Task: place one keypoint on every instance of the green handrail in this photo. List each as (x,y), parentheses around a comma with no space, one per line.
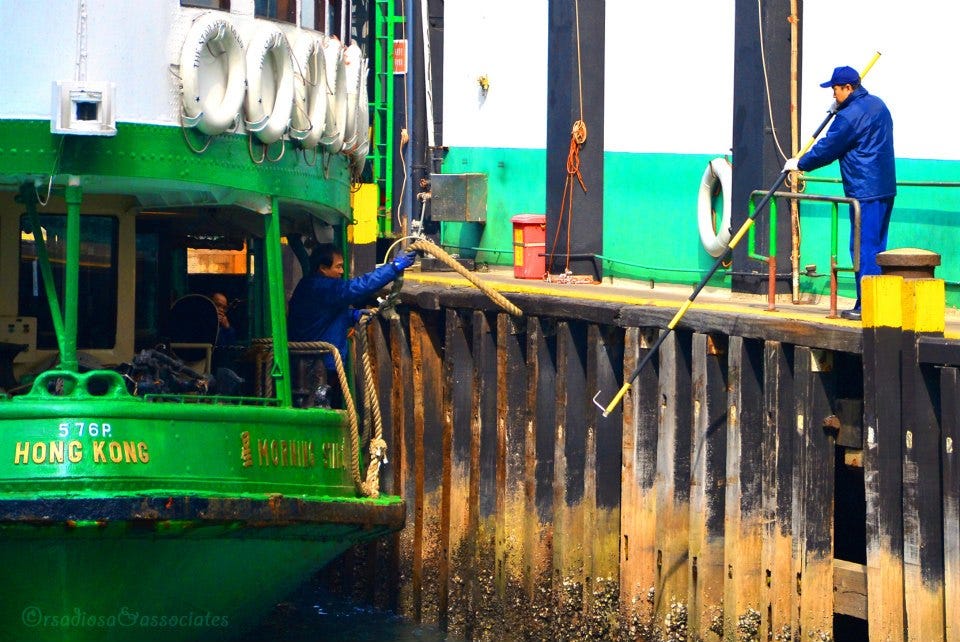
(752,234)
(835,202)
(834,235)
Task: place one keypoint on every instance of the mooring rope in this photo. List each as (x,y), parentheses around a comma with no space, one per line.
(371,403)
(431,248)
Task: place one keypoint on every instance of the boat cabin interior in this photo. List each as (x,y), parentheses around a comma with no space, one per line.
(147,287)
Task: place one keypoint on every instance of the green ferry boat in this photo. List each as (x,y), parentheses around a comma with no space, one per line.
(159,479)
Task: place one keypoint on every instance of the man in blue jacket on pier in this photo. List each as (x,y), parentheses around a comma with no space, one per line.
(321,308)
(861,138)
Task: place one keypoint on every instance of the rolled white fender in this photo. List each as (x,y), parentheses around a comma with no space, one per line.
(715,241)
(332,139)
(269,101)
(310,90)
(212,74)
(353,66)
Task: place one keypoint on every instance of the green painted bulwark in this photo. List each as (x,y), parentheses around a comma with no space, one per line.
(91,448)
(650,215)
(160,154)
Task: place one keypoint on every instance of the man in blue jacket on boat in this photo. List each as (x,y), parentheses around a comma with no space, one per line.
(321,308)
(861,138)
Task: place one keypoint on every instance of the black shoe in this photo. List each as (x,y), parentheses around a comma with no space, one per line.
(851,315)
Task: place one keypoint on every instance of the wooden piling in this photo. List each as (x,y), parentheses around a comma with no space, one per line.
(779,426)
(511,570)
(923,314)
(950,395)
(401,395)
(431,532)
(813,515)
(673,470)
(707,487)
(483,487)
(882,457)
(569,457)
(459,505)
(638,504)
(541,410)
(743,519)
(602,480)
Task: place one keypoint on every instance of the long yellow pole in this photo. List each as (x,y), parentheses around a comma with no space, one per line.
(716,265)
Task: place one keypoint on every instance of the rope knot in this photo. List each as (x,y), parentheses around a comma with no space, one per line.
(579,132)
(378,450)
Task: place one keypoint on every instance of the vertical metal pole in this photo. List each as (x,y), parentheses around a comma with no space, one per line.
(772,258)
(68,347)
(834,220)
(278,319)
(408,155)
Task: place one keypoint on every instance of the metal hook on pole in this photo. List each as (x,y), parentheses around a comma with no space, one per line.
(747,224)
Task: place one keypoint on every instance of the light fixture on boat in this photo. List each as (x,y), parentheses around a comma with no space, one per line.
(84,108)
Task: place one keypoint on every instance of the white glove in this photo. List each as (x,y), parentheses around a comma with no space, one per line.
(791,165)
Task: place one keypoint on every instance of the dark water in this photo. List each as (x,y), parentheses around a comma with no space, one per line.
(316,615)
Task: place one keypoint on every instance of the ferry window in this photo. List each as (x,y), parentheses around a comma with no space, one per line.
(223,5)
(327,16)
(146,313)
(216,261)
(282,10)
(97,295)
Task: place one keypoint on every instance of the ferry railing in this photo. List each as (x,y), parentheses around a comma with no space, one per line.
(771,258)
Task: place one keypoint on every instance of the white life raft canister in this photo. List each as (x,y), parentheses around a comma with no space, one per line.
(269,100)
(212,74)
(310,90)
(332,139)
(715,240)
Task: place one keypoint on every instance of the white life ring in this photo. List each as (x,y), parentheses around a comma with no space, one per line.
(310,91)
(715,241)
(269,100)
(332,139)
(358,153)
(211,74)
(353,67)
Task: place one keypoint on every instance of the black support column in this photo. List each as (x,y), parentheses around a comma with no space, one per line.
(568,67)
(756,160)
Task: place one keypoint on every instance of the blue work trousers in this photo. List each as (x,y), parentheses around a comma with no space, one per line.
(874,223)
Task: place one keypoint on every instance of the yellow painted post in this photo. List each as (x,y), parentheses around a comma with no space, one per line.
(364,202)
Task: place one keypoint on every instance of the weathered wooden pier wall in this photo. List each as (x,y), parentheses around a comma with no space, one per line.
(764,479)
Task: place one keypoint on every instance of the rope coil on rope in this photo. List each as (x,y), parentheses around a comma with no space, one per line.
(370,486)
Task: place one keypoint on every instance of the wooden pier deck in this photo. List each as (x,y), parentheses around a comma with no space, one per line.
(771,475)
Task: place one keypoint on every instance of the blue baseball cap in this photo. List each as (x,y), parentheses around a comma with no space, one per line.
(843,76)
